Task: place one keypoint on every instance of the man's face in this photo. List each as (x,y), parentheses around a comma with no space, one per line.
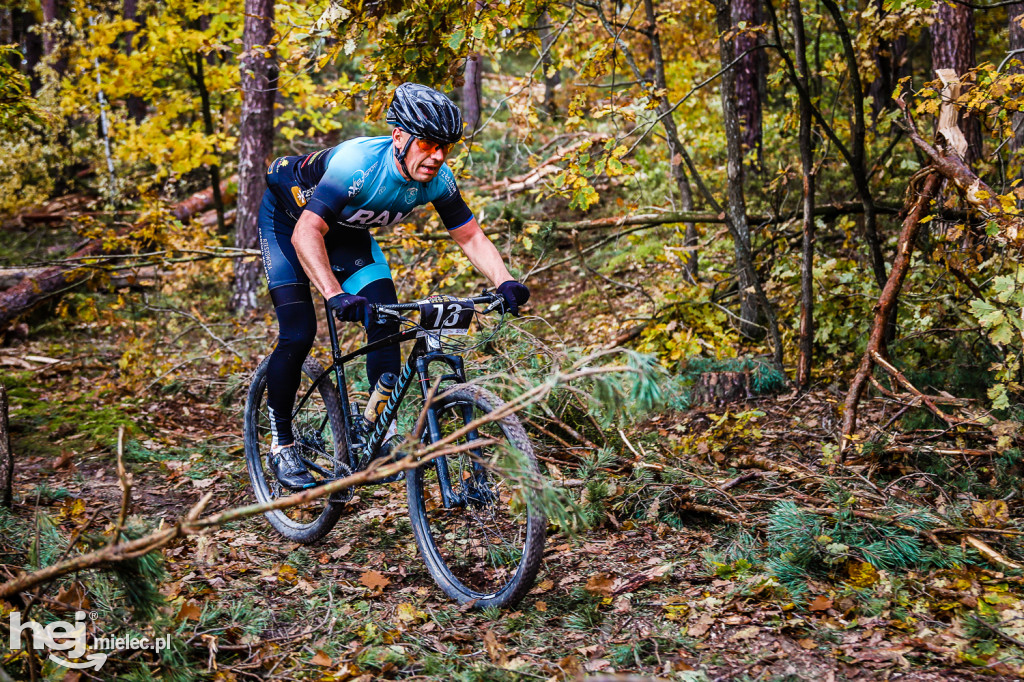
(424,157)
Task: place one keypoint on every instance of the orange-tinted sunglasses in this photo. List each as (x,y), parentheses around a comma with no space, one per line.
(429,146)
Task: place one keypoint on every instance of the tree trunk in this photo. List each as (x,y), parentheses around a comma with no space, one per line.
(135,104)
(806,361)
(736,207)
(552,81)
(199,76)
(675,147)
(471,93)
(256,136)
(749,72)
(49,15)
(953,48)
(889,60)
(30,43)
(858,132)
(6,455)
(1017,43)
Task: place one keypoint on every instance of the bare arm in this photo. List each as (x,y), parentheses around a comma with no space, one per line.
(308,240)
(481,252)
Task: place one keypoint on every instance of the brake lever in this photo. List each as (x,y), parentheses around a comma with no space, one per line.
(383,314)
(495,304)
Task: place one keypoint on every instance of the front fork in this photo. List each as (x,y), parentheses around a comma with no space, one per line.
(449,497)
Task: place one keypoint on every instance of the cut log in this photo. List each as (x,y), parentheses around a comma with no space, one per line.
(201,201)
(721,388)
(30,291)
(6,456)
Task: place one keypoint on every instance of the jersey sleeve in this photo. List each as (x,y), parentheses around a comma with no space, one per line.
(448,201)
(340,184)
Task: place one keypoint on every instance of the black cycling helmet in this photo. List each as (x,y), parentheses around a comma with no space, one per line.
(425,113)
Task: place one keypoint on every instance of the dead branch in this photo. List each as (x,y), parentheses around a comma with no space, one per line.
(966,452)
(978,194)
(192,523)
(986,550)
(887,303)
(124,479)
(518,183)
(899,376)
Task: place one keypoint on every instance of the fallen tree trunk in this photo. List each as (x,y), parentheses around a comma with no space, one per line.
(826,212)
(30,291)
(203,200)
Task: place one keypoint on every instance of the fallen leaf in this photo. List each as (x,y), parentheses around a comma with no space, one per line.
(820,603)
(495,651)
(341,551)
(189,611)
(862,574)
(407,613)
(74,597)
(374,580)
(571,667)
(746,633)
(807,643)
(600,583)
(701,627)
(991,513)
(596,664)
(541,606)
(322,659)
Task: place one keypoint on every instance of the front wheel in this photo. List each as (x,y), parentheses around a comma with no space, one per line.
(485,544)
(317,424)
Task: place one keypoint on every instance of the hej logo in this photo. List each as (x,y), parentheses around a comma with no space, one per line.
(60,635)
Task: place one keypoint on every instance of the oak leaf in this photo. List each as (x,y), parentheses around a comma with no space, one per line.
(375,580)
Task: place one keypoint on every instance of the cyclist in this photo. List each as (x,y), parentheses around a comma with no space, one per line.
(314,225)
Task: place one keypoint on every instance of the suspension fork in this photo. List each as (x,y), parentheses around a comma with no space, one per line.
(457,374)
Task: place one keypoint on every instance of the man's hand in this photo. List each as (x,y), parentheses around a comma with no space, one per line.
(515,295)
(349,307)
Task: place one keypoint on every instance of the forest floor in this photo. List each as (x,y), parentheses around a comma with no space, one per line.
(634,594)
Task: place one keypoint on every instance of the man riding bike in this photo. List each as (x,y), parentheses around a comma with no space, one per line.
(314,226)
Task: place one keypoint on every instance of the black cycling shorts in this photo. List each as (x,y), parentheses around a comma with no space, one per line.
(355,257)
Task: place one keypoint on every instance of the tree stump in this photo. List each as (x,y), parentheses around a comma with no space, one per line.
(6,456)
(720,388)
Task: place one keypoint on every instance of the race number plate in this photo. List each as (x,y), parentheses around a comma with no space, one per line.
(445,315)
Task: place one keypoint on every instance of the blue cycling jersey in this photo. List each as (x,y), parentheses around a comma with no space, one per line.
(357,184)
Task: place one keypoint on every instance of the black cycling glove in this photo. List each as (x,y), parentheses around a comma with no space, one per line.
(349,307)
(515,295)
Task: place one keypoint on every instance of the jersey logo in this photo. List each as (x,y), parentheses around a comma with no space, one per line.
(411,195)
(368,218)
(449,183)
(358,179)
(297,195)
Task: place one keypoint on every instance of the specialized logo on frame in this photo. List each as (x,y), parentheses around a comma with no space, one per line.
(70,639)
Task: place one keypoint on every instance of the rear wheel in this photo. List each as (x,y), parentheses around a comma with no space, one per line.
(319,435)
(487,544)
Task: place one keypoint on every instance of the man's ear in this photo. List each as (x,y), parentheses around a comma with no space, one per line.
(396,136)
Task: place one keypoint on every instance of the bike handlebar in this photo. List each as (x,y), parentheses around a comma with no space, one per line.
(398,307)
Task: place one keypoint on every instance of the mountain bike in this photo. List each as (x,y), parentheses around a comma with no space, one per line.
(474,516)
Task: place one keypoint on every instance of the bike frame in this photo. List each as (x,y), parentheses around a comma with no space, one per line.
(425,352)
